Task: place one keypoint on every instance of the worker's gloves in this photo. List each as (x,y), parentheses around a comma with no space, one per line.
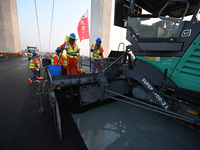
(67,45)
(92,49)
(100,55)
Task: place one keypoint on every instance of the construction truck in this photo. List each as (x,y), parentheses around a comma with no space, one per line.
(164,77)
(30,50)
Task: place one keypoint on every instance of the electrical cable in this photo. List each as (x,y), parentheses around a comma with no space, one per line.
(37,23)
(51,24)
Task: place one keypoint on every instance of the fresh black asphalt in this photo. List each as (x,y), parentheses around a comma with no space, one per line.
(21,127)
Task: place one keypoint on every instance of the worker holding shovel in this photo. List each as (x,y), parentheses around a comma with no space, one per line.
(72,51)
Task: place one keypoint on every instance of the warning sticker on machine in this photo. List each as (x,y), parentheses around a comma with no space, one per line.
(153,58)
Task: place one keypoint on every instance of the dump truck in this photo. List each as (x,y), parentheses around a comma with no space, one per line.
(163,76)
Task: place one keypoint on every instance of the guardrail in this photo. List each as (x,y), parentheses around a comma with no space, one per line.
(8,54)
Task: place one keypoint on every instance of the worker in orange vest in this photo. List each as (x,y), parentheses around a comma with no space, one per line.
(57,58)
(34,66)
(72,51)
(80,71)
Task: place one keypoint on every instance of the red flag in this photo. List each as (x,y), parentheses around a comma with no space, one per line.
(83,27)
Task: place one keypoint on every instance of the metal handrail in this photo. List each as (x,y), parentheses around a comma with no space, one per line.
(112,63)
(120,44)
(186,9)
(156,109)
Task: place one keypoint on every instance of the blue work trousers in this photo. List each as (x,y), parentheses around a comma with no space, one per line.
(96,65)
(35,74)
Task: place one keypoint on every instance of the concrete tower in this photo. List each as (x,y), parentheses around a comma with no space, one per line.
(9,29)
(101,23)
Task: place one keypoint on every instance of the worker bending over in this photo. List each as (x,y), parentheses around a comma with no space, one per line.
(80,71)
(72,51)
(34,67)
(60,58)
(57,58)
(97,53)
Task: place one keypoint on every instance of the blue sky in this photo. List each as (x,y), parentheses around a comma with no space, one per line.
(67,14)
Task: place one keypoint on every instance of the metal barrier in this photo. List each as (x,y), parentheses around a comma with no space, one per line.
(8,54)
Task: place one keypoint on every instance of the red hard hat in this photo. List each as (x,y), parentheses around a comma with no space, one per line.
(167,21)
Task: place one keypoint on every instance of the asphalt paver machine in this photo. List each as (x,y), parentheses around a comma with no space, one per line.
(164,74)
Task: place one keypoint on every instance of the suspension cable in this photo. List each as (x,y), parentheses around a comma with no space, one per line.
(51,24)
(37,23)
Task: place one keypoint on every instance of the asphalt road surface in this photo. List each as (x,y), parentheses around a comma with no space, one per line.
(115,126)
(20,125)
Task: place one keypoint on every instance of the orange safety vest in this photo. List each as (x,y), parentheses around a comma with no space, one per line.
(60,61)
(80,71)
(52,61)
